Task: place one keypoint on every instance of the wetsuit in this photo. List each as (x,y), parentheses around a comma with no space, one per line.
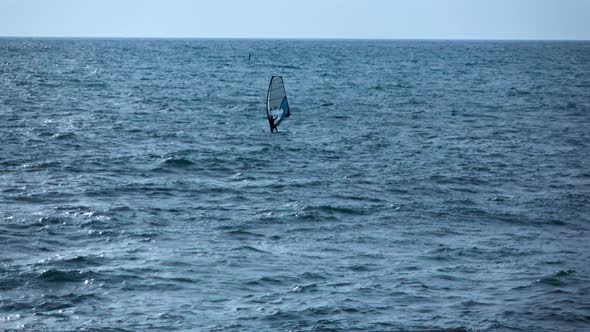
(271,122)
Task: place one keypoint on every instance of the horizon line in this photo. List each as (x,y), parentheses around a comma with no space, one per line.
(301,38)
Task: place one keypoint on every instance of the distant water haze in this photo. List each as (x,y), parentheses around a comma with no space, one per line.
(417,186)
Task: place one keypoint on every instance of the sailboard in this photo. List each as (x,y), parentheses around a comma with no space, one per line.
(277,106)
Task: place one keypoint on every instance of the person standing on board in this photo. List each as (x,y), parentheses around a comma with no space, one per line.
(273,126)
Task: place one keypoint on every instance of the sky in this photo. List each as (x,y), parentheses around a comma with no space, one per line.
(390,19)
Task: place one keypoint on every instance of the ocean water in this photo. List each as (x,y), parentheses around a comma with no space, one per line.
(417,186)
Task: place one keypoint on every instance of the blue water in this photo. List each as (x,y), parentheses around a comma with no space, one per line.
(417,185)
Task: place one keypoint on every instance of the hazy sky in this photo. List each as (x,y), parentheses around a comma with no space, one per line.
(430,19)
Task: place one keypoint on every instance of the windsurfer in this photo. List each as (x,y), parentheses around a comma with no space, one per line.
(271,122)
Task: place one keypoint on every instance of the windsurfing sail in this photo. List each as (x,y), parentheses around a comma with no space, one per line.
(277,106)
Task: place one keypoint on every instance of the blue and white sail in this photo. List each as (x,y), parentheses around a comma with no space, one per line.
(277,106)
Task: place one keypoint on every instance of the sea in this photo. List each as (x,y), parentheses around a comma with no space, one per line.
(417,185)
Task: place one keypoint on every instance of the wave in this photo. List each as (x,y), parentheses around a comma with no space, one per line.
(64,136)
(177,162)
(249,249)
(241,234)
(65,276)
(557,279)
(332,209)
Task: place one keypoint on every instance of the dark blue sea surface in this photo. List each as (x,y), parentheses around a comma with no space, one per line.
(417,185)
